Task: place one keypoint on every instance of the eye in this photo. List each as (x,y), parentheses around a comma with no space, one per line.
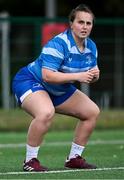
(88,23)
(81,22)
(85,22)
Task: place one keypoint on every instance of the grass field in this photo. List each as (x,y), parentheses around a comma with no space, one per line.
(18,120)
(105,149)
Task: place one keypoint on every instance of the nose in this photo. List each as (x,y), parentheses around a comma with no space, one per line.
(84,25)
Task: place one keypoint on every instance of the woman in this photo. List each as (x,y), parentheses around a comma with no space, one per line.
(45,87)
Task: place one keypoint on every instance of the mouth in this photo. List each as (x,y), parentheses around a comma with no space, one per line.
(84,32)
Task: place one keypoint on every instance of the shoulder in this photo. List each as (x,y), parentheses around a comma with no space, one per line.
(58,39)
(90,44)
(63,39)
(60,42)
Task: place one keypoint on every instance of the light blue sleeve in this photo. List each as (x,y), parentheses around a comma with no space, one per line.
(52,55)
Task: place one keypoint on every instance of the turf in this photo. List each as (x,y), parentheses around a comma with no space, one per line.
(105,149)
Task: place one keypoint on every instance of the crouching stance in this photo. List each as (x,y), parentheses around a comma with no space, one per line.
(46,86)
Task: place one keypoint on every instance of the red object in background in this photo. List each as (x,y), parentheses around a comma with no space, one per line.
(49,30)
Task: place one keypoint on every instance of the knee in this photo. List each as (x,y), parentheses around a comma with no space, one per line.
(92,113)
(46,116)
(96,111)
(49,113)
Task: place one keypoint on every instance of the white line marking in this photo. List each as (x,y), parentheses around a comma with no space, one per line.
(63,171)
(108,142)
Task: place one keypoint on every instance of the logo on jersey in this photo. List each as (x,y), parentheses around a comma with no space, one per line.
(70,59)
(37,85)
(88,59)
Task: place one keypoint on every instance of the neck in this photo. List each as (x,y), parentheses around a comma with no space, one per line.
(79,42)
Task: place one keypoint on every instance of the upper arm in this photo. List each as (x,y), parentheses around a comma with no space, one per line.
(52,56)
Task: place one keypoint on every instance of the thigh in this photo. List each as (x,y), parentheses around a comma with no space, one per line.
(38,103)
(78,105)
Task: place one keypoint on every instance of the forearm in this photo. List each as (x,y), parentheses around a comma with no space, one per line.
(58,77)
(61,78)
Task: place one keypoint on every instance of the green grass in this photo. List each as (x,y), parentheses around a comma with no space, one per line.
(105,149)
(18,120)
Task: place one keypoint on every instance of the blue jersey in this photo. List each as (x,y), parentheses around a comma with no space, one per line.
(62,54)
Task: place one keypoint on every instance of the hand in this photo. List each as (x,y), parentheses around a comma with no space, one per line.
(96,73)
(85,77)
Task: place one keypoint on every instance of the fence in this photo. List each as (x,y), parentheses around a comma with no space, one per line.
(24,42)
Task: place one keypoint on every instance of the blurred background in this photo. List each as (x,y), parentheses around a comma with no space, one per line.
(26,25)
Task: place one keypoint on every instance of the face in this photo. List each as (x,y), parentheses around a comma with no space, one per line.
(82,25)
